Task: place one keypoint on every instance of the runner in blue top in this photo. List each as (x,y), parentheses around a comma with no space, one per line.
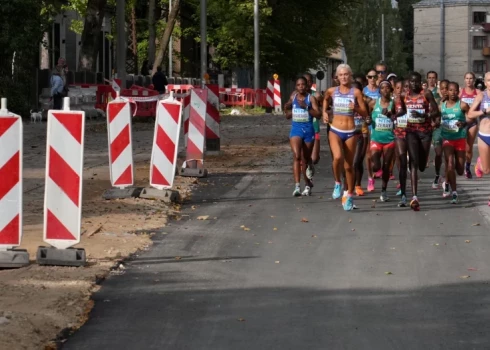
(345,101)
(302,108)
(371,90)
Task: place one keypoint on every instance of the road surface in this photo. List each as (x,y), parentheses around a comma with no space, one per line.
(255,275)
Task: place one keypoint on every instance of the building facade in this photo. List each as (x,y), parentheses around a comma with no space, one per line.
(461,27)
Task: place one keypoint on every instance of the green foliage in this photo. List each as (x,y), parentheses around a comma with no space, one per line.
(294,35)
(20,48)
(362,37)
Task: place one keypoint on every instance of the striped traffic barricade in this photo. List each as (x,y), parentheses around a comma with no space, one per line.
(11,189)
(194,162)
(63,188)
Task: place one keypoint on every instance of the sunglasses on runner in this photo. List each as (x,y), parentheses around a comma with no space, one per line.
(371,77)
(380,72)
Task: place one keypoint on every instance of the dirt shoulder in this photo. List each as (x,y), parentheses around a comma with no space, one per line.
(38,303)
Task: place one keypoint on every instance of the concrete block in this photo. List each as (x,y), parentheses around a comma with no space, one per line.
(193,172)
(13,258)
(61,257)
(168,196)
(121,193)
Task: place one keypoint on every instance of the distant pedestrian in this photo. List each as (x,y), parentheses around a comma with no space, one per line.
(57,86)
(159,81)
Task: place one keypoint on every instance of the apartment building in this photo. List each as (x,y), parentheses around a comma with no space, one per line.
(461,28)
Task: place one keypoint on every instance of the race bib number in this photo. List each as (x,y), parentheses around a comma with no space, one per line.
(415,120)
(450,125)
(358,121)
(486,105)
(342,105)
(300,115)
(383,123)
(402,122)
(468,100)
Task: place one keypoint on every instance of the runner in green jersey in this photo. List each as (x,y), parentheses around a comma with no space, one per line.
(453,130)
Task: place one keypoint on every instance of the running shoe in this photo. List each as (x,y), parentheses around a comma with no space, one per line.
(378,174)
(455,199)
(398,186)
(310,171)
(435,184)
(337,191)
(370,186)
(414,204)
(359,191)
(478,171)
(403,202)
(384,197)
(446,192)
(307,191)
(467,173)
(392,177)
(297,192)
(399,193)
(348,203)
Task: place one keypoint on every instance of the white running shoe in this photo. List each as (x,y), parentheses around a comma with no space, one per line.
(384,197)
(446,189)
(307,191)
(310,171)
(297,192)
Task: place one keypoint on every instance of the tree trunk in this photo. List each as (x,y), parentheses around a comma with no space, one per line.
(152,34)
(90,35)
(172,18)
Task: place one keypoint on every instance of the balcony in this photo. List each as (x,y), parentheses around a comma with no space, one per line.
(486,27)
(485,51)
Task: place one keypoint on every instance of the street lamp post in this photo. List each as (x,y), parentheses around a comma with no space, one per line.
(256,46)
(204,41)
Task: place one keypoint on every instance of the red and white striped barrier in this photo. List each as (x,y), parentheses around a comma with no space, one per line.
(212,118)
(186,102)
(165,144)
(270,93)
(120,143)
(277,96)
(64,177)
(10,178)
(196,135)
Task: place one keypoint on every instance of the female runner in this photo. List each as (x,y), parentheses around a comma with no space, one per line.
(453,131)
(419,129)
(371,91)
(362,133)
(346,101)
(481,108)
(302,108)
(467,95)
(382,136)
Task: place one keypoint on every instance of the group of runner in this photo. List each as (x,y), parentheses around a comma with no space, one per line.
(380,120)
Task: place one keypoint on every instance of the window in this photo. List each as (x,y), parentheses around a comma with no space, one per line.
(479,66)
(479,42)
(479,17)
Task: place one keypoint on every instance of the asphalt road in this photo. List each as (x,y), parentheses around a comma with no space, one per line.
(256,276)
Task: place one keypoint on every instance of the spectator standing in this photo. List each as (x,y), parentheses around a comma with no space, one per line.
(159,81)
(57,87)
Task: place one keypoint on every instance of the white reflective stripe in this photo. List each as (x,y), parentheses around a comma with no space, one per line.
(63,208)
(9,143)
(65,145)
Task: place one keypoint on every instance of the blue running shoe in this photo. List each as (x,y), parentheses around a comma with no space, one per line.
(348,203)
(337,191)
(399,193)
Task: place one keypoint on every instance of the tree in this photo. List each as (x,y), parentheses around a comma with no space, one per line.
(151,30)
(172,18)
(94,16)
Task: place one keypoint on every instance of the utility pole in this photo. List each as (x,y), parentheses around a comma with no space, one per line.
(382,37)
(121,41)
(443,41)
(256,46)
(170,48)
(204,41)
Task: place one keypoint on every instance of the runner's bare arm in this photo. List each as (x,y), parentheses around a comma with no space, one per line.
(361,107)
(465,108)
(475,108)
(315,111)
(326,105)
(402,110)
(434,113)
